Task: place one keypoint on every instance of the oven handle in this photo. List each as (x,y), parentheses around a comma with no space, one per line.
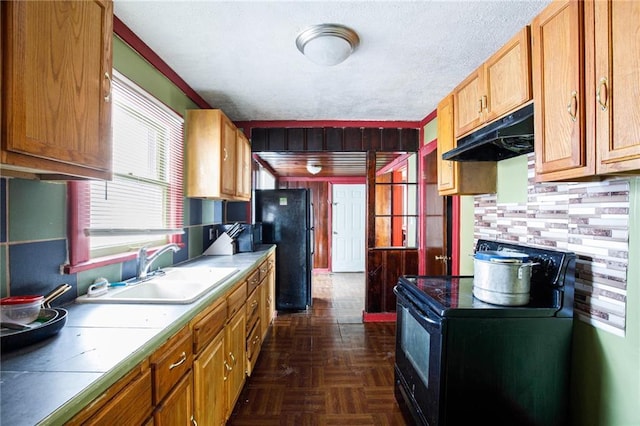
(432,319)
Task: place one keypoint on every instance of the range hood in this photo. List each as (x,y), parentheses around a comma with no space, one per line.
(507,137)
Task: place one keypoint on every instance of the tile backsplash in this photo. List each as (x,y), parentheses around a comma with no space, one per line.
(590,219)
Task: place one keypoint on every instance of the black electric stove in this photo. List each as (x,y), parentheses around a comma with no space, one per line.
(460,360)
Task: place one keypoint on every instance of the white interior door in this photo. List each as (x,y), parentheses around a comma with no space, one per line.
(348,223)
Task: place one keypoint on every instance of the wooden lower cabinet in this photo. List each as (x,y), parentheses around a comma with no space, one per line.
(177,407)
(235,358)
(268,297)
(197,375)
(128,402)
(209,383)
(254,330)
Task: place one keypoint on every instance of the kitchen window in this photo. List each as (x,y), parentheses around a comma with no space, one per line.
(142,205)
(396,205)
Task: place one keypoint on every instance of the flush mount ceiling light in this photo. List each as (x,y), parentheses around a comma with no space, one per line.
(314,169)
(327,44)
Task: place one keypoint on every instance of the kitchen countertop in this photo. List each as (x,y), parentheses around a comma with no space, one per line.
(50,381)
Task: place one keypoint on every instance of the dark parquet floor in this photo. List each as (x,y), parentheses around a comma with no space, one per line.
(324,366)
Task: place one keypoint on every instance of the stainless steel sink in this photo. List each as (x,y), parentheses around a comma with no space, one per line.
(176,286)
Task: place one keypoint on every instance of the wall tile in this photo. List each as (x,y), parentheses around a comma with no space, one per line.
(129,269)
(35,269)
(37,210)
(195,241)
(183,254)
(112,273)
(195,212)
(590,219)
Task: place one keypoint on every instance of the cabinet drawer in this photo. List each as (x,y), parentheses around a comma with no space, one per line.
(132,406)
(206,327)
(235,301)
(128,401)
(264,269)
(253,281)
(170,362)
(253,308)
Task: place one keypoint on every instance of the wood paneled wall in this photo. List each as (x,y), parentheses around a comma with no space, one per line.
(384,267)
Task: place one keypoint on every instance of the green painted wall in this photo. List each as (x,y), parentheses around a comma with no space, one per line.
(466,235)
(138,70)
(606,375)
(430,131)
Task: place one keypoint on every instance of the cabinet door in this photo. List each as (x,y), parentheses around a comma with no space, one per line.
(235,350)
(465,177)
(56,101)
(209,383)
(617,85)
(507,76)
(558,78)
(446,142)
(271,291)
(244,167)
(468,105)
(177,407)
(265,319)
(228,166)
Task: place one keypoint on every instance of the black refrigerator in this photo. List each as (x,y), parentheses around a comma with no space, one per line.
(287,221)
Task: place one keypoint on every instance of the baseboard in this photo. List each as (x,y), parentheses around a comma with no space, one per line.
(378,316)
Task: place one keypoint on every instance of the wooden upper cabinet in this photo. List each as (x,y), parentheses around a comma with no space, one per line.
(507,77)
(616,85)
(561,148)
(56,83)
(468,103)
(243,176)
(213,156)
(446,142)
(229,163)
(499,86)
(460,177)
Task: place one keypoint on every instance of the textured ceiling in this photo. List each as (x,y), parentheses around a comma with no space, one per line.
(241,55)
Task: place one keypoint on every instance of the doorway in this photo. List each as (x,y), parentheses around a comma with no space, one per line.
(435,217)
(348,230)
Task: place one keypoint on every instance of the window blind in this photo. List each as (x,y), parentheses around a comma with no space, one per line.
(143,202)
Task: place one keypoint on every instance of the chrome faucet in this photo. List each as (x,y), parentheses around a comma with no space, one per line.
(144,261)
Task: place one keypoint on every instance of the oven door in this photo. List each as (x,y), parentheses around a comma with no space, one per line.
(418,359)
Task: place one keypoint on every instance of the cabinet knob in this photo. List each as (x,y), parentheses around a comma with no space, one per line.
(602,99)
(572,106)
(183,358)
(107,98)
